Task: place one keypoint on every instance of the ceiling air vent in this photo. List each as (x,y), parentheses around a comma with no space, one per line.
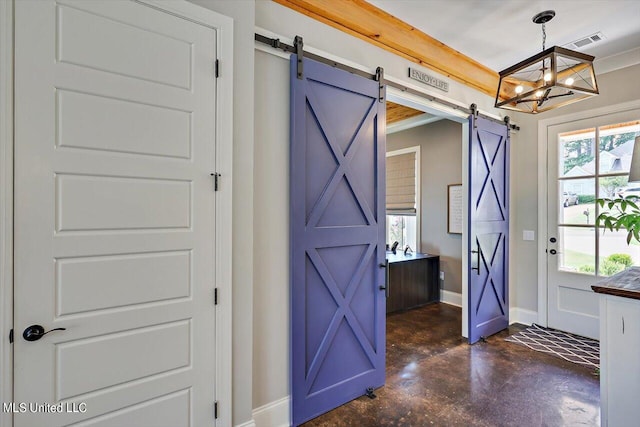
(585,41)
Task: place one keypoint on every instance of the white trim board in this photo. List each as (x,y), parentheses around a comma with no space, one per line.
(274,414)
(6,205)
(451,298)
(224,136)
(543,237)
(522,316)
(412,122)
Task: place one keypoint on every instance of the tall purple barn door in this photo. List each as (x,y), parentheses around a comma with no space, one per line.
(488,228)
(337,238)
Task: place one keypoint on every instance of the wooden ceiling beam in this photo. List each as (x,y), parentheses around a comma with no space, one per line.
(397,112)
(365,21)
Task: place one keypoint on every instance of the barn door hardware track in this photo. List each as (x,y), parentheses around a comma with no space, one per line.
(299,47)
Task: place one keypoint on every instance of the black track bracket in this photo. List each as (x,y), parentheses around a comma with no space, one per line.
(299,45)
(369,393)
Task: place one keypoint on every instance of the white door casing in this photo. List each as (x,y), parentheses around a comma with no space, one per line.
(116,124)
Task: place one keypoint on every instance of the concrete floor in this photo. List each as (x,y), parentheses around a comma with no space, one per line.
(435,378)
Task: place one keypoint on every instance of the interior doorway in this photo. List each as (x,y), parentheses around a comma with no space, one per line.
(438,137)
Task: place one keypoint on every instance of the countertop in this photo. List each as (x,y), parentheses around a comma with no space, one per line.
(624,284)
(400,256)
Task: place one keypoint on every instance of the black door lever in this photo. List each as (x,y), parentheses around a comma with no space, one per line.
(35,332)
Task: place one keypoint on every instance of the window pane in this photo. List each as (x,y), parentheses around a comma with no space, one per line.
(577,201)
(577,153)
(616,186)
(615,254)
(576,250)
(402,229)
(616,146)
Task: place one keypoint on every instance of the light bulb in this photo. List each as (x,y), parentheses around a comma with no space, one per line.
(547,77)
(569,81)
(519,89)
(539,94)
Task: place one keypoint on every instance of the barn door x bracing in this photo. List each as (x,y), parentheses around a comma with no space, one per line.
(114,215)
(337,238)
(488,228)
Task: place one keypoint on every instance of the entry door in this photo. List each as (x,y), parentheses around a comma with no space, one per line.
(488,228)
(587,159)
(114,215)
(337,238)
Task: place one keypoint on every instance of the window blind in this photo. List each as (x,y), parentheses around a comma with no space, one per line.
(401,184)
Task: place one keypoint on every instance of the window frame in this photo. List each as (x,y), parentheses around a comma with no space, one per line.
(412,149)
(596,176)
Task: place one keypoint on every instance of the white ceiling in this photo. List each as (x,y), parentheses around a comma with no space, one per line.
(500,33)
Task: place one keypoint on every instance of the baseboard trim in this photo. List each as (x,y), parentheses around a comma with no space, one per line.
(249,423)
(451,298)
(274,414)
(522,316)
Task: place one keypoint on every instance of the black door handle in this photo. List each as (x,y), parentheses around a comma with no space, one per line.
(35,332)
(477,268)
(385,288)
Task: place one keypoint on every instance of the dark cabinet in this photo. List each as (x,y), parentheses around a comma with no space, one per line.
(413,280)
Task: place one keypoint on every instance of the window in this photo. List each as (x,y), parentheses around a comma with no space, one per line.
(403,200)
(594,163)
(402,229)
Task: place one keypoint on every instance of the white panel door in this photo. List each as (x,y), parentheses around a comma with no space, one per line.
(114,215)
(587,159)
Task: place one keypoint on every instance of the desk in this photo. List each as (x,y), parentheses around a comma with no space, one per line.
(413,280)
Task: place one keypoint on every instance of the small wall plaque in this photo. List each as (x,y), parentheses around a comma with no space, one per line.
(428,79)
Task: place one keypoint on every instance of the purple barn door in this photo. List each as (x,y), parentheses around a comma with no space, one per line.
(337,238)
(488,228)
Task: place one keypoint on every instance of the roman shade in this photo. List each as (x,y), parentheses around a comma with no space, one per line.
(401,184)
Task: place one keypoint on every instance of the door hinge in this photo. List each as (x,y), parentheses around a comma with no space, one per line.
(215,409)
(215,296)
(11,336)
(217,68)
(216,180)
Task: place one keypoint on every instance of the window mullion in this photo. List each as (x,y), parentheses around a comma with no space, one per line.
(597,185)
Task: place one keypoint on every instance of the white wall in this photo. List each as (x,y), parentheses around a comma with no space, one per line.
(440,165)
(615,87)
(243,14)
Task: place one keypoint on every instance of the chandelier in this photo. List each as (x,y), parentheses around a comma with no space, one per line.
(548,80)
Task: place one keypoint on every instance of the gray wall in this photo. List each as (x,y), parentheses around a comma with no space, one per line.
(440,165)
(243,14)
(615,88)
(271,242)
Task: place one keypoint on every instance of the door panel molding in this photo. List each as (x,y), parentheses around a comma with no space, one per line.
(337,238)
(488,228)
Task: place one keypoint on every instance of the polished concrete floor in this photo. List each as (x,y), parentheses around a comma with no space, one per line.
(434,378)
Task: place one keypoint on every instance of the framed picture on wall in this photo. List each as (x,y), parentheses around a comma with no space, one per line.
(454,208)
